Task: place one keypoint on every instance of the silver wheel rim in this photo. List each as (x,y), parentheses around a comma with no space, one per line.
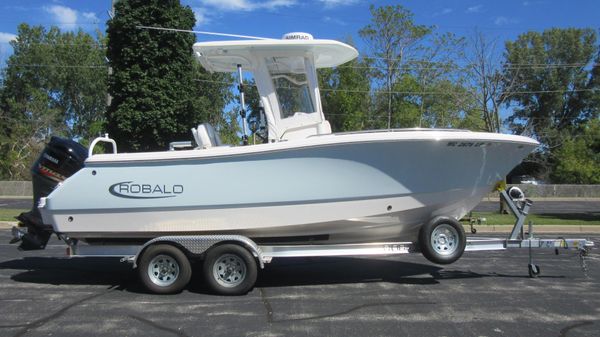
(229,270)
(444,239)
(163,270)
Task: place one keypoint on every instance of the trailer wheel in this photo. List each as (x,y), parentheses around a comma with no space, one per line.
(230,269)
(164,269)
(442,240)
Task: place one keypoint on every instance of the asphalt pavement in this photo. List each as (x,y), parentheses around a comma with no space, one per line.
(16,203)
(483,294)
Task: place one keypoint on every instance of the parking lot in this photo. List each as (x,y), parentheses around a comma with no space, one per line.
(483,294)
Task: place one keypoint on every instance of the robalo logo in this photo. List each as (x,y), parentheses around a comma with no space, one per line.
(131,190)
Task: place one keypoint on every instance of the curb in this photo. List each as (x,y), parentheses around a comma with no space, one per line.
(7,224)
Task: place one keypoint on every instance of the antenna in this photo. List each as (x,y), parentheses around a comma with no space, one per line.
(204,32)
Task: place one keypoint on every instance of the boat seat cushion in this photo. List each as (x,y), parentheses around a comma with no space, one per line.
(206,136)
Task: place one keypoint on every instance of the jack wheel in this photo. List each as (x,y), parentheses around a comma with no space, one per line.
(534,270)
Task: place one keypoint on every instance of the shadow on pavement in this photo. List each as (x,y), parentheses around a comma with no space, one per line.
(281,273)
(59,271)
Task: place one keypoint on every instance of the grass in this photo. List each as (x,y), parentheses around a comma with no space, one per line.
(567,219)
(9,214)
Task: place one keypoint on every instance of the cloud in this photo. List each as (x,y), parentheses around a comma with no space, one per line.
(338,3)
(336,21)
(201,16)
(65,17)
(474,9)
(90,16)
(68,18)
(7,37)
(503,20)
(444,11)
(247,5)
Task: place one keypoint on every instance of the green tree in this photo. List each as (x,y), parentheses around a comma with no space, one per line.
(578,158)
(490,90)
(257,122)
(555,90)
(440,90)
(54,84)
(345,95)
(553,85)
(158,91)
(417,80)
(393,40)
(212,92)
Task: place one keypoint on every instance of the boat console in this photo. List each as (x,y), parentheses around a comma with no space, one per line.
(285,75)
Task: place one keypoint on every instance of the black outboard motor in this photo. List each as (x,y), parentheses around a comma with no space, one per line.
(60,159)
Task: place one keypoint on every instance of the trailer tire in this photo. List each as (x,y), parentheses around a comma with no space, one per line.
(230,269)
(164,269)
(442,240)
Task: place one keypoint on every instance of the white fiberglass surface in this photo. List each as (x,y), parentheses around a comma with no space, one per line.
(442,137)
(223,56)
(317,184)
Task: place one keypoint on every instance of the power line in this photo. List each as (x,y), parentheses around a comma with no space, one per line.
(376,92)
(202,32)
(97,45)
(455,68)
(415,66)
(416,92)
(452,92)
(509,63)
(56,66)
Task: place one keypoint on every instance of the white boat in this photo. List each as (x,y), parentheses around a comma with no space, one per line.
(305,184)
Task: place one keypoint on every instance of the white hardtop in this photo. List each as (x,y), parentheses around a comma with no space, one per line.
(224,56)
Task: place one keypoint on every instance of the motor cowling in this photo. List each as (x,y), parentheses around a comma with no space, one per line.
(60,159)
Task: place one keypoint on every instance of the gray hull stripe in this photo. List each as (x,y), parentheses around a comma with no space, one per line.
(226,206)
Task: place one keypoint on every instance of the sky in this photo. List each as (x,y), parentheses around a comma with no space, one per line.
(330,19)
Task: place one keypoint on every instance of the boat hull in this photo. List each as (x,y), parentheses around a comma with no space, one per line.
(353,188)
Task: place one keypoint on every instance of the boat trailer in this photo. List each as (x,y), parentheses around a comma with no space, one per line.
(235,273)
